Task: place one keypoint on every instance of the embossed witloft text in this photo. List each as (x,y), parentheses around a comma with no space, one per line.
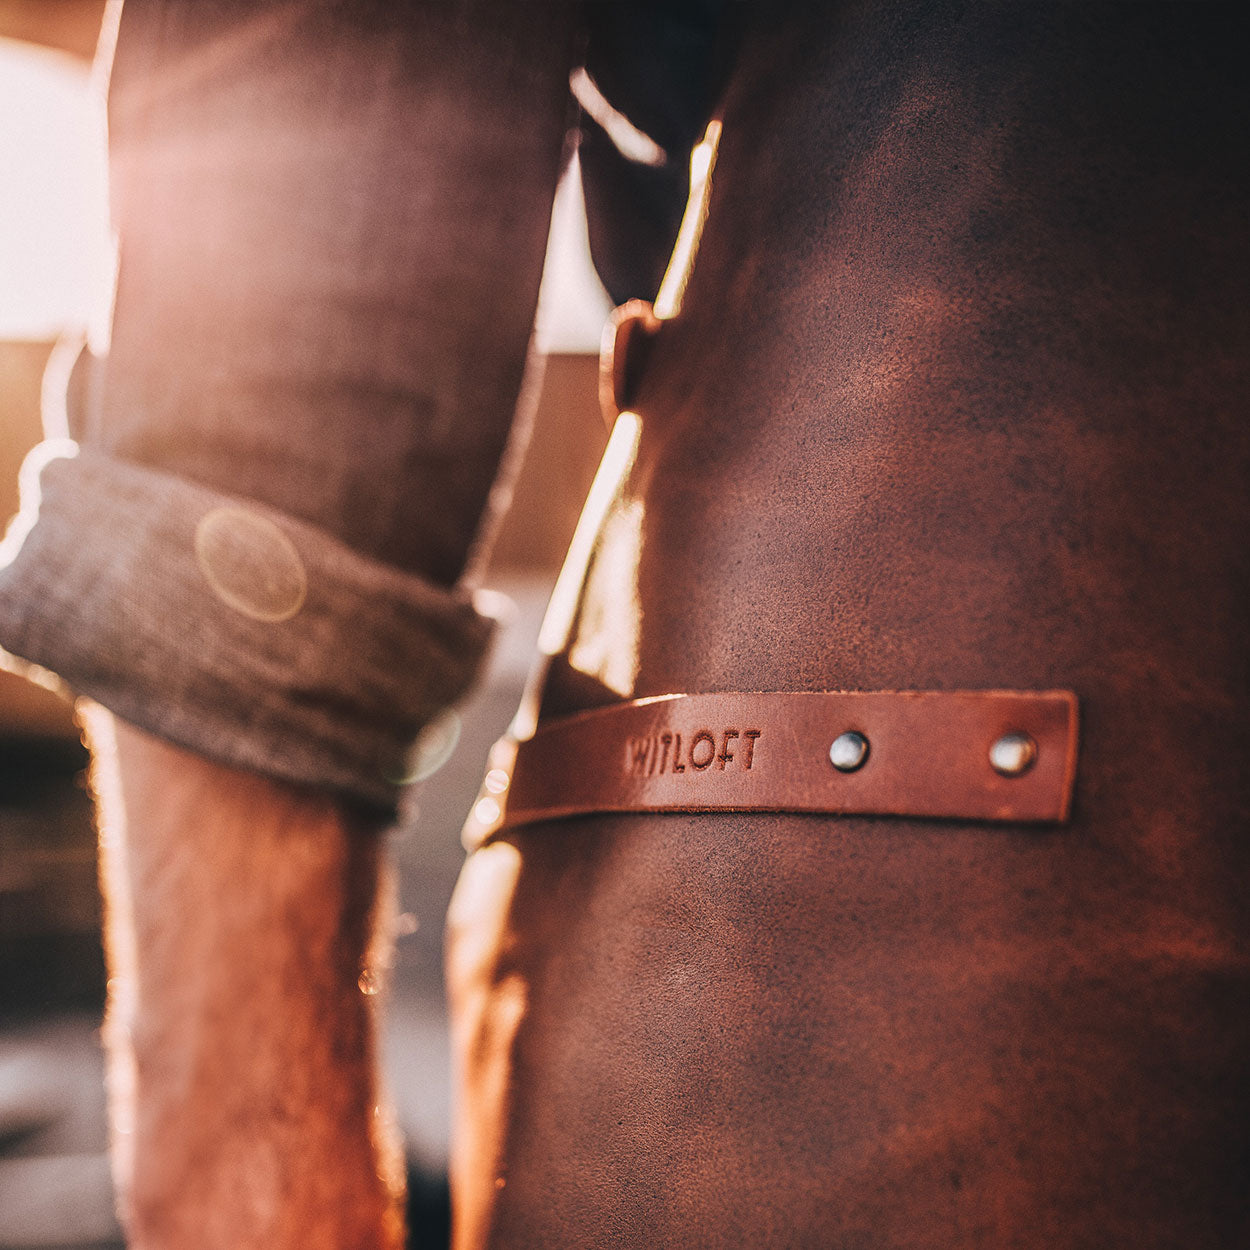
(671,752)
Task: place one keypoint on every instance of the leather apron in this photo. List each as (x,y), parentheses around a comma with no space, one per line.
(956,400)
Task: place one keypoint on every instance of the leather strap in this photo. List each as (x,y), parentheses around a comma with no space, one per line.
(628,332)
(911,753)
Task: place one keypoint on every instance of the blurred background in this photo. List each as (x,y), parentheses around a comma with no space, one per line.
(56,264)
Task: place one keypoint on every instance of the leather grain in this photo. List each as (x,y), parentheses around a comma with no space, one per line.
(956,400)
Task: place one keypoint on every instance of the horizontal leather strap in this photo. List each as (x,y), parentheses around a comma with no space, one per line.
(1000,755)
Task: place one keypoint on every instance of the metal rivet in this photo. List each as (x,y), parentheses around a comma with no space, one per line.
(1013,754)
(848,751)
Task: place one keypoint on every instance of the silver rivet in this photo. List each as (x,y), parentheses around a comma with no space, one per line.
(848,751)
(1013,754)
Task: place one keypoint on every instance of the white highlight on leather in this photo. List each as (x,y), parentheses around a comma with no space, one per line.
(251,565)
(681,263)
(607,633)
(618,459)
(632,143)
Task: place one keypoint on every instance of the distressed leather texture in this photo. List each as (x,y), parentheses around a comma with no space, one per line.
(956,400)
(928,754)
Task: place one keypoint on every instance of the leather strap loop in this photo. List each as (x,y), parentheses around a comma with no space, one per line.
(995,755)
(631,327)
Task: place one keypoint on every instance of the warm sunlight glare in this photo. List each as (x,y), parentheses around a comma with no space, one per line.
(55,254)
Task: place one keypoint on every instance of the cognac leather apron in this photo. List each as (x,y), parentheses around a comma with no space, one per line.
(955,401)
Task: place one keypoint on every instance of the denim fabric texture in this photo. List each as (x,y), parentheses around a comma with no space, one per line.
(332,222)
(252,637)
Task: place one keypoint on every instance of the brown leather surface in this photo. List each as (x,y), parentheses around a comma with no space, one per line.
(956,400)
(928,755)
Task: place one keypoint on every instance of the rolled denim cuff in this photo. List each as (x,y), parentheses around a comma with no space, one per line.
(229,628)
